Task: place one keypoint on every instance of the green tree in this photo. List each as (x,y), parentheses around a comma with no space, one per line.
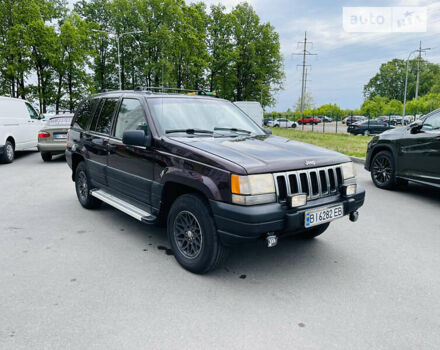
(390,80)
(258,61)
(309,102)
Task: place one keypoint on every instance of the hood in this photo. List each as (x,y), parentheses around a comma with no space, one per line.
(263,154)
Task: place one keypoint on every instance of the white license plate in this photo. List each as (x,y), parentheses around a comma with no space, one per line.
(60,136)
(322,215)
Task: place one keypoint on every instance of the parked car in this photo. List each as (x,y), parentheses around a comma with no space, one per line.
(407,154)
(353,119)
(19,125)
(367,128)
(282,123)
(266,121)
(308,120)
(253,109)
(201,166)
(52,138)
(325,119)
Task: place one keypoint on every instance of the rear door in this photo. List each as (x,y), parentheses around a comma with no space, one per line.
(96,140)
(130,168)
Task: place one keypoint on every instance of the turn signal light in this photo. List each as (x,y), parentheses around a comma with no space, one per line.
(43,135)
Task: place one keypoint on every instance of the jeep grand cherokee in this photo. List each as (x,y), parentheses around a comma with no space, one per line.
(206,170)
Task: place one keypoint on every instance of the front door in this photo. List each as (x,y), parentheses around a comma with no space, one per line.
(130,168)
(420,152)
(33,125)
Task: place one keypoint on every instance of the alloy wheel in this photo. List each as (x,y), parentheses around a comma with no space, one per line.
(9,151)
(83,187)
(382,170)
(188,234)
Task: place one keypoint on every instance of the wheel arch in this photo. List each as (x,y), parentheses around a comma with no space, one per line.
(76,159)
(381,148)
(173,189)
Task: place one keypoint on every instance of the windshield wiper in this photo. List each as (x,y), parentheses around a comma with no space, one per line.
(234,129)
(190,131)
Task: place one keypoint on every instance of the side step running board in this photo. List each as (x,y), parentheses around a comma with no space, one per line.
(124,206)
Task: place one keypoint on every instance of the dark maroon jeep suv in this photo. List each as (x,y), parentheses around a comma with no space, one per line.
(203,168)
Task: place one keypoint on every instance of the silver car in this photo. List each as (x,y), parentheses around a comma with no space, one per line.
(52,139)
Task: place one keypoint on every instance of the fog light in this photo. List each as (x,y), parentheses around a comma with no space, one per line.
(298,200)
(350,190)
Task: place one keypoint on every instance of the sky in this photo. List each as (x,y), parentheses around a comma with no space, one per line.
(345,61)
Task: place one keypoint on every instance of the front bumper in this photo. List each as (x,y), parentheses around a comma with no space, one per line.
(236,224)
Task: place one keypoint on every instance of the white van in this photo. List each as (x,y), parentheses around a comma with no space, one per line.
(253,109)
(19,126)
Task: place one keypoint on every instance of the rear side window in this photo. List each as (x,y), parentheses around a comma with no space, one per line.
(103,122)
(84,113)
(131,117)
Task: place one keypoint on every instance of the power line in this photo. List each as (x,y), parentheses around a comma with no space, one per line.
(304,53)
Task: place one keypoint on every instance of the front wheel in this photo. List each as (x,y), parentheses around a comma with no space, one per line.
(383,170)
(8,154)
(193,235)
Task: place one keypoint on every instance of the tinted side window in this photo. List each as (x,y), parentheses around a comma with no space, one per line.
(432,122)
(31,110)
(84,113)
(103,123)
(131,117)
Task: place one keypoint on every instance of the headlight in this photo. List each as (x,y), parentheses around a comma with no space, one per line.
(253,189)
(348,170)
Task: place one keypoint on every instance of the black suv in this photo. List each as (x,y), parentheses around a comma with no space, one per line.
(202,167)
(407,153)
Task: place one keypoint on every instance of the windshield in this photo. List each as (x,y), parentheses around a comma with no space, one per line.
(177,114)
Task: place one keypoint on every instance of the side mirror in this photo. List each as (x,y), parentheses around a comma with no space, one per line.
(136,138)
(415,127)
(267,131)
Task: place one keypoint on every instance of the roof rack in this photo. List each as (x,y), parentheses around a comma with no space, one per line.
(190,92)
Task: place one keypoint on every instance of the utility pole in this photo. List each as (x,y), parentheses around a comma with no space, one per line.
(304,54)
(418,68)
(420,50)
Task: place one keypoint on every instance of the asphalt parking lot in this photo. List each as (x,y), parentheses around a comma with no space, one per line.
(77,279)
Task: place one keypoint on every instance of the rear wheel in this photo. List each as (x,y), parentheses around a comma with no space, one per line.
(383,170)
(83,187)
(8,154)
(314,232)
(46,156)
(193,235)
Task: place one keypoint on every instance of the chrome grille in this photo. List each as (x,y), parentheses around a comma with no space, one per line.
(316,183)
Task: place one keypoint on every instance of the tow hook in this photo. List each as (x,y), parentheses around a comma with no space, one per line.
(354,216)
(271,240)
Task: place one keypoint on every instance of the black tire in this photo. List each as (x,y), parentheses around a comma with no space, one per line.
(193,235)
(293,126)
(83,187)
(313,232)
(46,156)
(8,154)
(276,126)
(383,172)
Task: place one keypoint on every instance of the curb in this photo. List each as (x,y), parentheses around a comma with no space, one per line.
(358,160)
